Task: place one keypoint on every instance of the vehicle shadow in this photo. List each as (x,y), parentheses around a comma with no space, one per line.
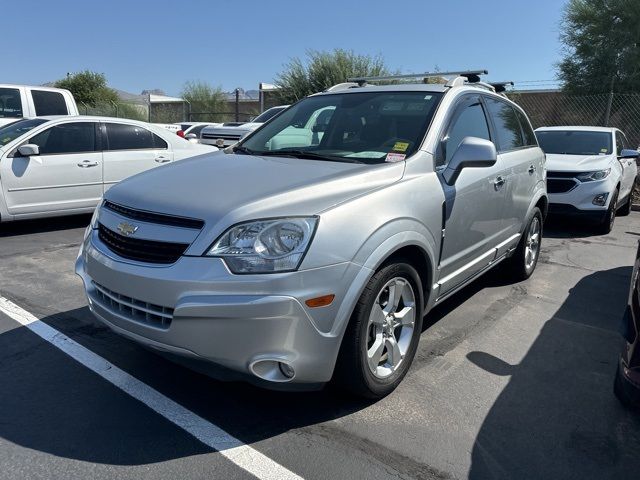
(568,227)
(52,404)
(26,227)
(557,417)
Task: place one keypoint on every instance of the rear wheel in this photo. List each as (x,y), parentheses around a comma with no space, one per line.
(524,260)
(383,334)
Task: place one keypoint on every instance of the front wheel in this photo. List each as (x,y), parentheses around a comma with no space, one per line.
(524,260)
(606,225)
(383,333)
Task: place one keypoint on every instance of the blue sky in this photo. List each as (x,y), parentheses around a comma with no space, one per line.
(144,44)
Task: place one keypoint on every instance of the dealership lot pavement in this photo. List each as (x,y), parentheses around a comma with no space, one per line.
(510,381)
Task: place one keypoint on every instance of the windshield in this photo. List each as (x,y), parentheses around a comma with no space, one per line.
(268,115)
(572,142)
(367,127)
(10,132)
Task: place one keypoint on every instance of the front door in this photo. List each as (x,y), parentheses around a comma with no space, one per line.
(131,149)
(65,176)
(474,204)
(629,167)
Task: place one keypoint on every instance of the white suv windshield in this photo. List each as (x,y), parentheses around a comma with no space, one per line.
(573,142)
(366,127)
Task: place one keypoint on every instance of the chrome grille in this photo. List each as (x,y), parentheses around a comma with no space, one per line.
(149,251)
(135,310)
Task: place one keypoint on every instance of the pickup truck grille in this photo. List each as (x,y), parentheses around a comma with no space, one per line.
(214,136)
(149,251)
(132,309)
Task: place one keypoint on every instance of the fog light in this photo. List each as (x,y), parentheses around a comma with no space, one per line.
(286,369)
(600,200)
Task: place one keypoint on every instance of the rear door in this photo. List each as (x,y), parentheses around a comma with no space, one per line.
(473,226)
(67,175)
(131,149)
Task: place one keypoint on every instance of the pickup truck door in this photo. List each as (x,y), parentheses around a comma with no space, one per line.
(67,175)
(131,149)
(473,218)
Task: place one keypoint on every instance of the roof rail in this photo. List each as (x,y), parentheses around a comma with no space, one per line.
(342,86)
(471,76)
(501,87)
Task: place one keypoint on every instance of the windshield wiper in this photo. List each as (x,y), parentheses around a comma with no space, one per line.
(305,154)
(242,149)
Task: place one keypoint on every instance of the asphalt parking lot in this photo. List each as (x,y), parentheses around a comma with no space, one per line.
(510,381)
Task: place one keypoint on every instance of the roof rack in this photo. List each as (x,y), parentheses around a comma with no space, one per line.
(501,87)
(471,76)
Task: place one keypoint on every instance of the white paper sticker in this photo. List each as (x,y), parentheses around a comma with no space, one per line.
(395,157)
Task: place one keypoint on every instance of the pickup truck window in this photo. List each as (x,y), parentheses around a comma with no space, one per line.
(10,103)
(49,103)
(77,137)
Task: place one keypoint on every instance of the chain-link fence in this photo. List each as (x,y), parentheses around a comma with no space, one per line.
(551,108)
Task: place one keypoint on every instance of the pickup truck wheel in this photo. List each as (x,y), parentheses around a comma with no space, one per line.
(606,225)
(524,260)
(383,334)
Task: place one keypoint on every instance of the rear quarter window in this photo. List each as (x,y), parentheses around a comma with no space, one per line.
(10,103)
(49,103)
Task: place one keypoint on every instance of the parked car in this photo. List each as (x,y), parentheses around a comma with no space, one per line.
(627,381)
(193,132)
(229,133)
(62,165)
(293,266)
(23,101)
(590,172)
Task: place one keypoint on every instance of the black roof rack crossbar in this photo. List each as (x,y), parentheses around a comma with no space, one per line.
(501,86)
(472,76)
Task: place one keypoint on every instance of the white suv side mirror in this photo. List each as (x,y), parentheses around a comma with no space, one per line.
(472,152)
(29,150)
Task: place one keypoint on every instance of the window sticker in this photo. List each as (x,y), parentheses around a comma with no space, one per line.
(395,157)
(603,150)
(400,146)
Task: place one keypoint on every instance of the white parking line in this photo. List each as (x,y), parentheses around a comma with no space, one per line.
(211,435)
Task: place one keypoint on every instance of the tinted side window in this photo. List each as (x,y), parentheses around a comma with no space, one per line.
(507,125)
(49,103)
(158,142)
(66,138)
(469,122)
(131,137)
(10,102)
(529,136)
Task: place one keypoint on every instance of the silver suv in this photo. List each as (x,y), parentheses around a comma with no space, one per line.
(312,249)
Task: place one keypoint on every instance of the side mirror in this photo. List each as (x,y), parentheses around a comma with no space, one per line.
(628,153)
(191,136)
(472,152)
(29,150)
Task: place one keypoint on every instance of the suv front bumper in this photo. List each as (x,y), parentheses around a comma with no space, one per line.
(196,309)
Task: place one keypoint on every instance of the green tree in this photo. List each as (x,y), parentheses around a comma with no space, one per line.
(88,87)
(601,46)
(206,101)
(321,70)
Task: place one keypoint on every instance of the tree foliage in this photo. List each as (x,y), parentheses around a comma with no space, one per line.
(601,45)
(207,101)
(321,70)
(88,87)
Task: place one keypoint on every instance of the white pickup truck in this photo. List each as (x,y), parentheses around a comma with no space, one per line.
(23,101)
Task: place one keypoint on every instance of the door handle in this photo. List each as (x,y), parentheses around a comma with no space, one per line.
(87,164)
(499,182)
(532,169)
(162,159)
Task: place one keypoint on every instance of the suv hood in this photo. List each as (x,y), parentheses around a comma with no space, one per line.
(236,188)
(577,163)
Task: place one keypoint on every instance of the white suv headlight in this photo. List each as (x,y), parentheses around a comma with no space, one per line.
(593,176)
(265,246)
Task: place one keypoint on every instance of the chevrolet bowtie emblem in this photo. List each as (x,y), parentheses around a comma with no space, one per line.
(127,229)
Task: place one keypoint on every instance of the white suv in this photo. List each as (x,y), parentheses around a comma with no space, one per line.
(590,172)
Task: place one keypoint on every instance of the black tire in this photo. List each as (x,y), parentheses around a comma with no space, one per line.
(352,371)
(625,209)
(518,265)
(606,225)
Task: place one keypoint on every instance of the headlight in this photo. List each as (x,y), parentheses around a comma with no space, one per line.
(265,246)
(94,218)
(593,176)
